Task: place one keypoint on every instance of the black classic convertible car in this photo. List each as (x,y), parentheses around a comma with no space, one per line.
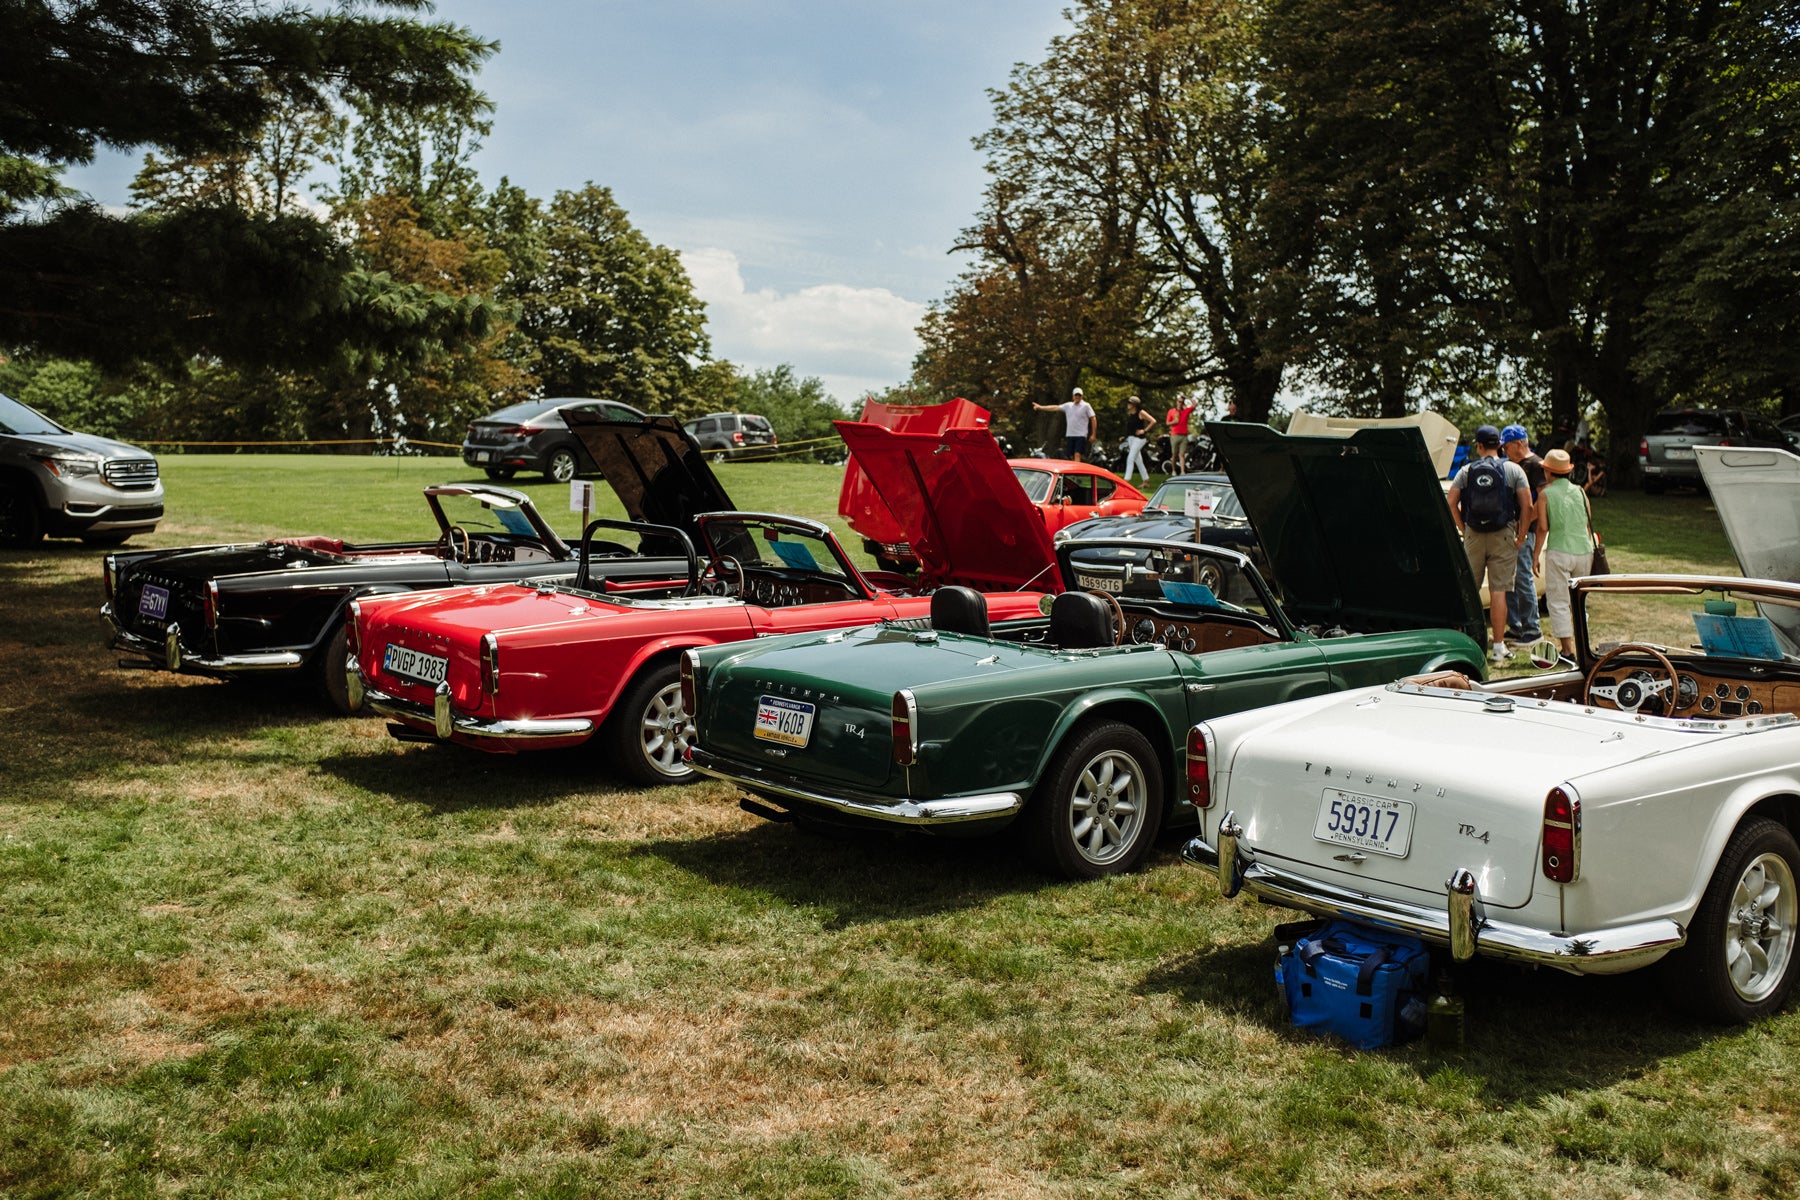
(278,607)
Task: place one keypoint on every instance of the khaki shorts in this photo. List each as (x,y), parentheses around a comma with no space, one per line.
(1497,553)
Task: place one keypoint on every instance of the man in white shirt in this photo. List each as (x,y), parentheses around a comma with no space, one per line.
(1079,421)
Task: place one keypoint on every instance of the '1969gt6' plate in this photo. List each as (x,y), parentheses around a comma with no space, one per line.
(789,722)
(1380,824)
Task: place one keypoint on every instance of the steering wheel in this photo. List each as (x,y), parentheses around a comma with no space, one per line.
(714,577)
(1118,614)
(447,547)
(1628,695)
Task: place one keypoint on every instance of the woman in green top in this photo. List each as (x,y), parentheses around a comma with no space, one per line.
(1568,549)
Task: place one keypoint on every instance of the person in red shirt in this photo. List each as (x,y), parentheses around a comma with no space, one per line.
(1177,421)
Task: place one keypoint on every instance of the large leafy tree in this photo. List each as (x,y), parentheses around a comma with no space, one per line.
(199,79)
(606,311)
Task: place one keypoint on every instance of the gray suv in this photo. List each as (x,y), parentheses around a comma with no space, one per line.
(533,436)
(1666,453)
(732,435)
(66,484)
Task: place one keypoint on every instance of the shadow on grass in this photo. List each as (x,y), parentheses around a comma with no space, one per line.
(858,876)
(449,778)
(1530,1034)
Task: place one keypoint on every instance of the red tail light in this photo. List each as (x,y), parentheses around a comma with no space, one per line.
(904,725)
(1199,770)
(490,665)
(737,439)
(1643,447)
(690,683)
(209,607)
(1725,441)
(1562,836)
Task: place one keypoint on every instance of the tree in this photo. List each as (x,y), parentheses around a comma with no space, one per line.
(608,312)
(198,78)
(799,409)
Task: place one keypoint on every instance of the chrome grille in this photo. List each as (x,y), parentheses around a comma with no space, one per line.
(131,472)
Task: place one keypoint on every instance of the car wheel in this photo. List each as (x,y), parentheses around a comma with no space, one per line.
(1740,959)
(104,539)
(1211,576)
(1098,808)
(21,524)
(501,472)
(720,456)
(561,466)
(328,670)
(651,729)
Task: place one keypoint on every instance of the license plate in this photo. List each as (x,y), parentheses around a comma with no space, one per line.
(414,664)
(789,722)
(154,602)
(1679,452)
(1101,583)
(1381,824)
(483,455)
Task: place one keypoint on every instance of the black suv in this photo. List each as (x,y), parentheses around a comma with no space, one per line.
(533,436)
(732,435)
(1666,453)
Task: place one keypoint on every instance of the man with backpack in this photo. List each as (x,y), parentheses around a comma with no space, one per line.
(1487,498)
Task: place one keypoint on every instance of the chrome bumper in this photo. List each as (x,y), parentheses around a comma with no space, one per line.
(947,811)
(449,724)
(170,654)
(1460,924)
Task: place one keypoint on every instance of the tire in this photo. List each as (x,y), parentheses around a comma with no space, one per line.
(720,456)
(500,472)
(1743,947)
(328,670)
(21,524)
(104,539)
(1076,825)
(560,467)
(650,729)
(1211,576)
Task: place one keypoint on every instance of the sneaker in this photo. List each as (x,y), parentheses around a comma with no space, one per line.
(1500,654)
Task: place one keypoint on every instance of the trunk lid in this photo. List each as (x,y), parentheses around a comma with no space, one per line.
(658,472)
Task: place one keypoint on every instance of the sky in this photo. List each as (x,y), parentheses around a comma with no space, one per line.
(809,159)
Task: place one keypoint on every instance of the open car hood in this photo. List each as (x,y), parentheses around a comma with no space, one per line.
(959,506)
(858,500)
(1757,493)
(657,471)
(1355,529)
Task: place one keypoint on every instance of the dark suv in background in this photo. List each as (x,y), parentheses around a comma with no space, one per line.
(66,484)
(533,436)
(1666,453)
(732,435)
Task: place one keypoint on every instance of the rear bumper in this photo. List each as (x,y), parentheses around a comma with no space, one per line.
(1460,924)
(172,654)
(440,720)
(997,807)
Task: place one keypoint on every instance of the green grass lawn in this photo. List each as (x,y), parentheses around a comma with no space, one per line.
(247,950)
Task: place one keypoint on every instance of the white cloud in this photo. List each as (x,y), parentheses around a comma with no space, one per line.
(855,339)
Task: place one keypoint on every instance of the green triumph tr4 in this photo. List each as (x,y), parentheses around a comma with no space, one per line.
(1074,727)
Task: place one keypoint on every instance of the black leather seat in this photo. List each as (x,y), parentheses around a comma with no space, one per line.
(1080,621)
(959,610)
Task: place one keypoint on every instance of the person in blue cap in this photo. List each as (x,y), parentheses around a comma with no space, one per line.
(1487,498)
(1522,602)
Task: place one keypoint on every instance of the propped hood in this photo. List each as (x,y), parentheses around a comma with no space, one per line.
(959,504)
(858,501)
(1757,493)
(658,472)
(1355,529)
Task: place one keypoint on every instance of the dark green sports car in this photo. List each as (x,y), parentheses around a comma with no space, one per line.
(1075,726)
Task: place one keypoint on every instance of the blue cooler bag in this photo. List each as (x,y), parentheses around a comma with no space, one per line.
(1368,986)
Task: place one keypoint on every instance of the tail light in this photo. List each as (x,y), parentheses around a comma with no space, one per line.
(1562,836)
(690,682)
(209,606)
(1725,441)
(353,630)
(1644,448)
(1199,769)
(737,439)
(490,665)
(904,728)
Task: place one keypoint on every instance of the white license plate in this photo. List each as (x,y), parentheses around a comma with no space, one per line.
(1679,452)
(1381,824)
(1101,583)
(483,455)
(414,664)
(154,602)
(789,722)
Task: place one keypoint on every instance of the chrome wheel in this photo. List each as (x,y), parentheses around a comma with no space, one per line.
(1106,809)
(562,466)
(1210,576)
(1760,928)
(666,733)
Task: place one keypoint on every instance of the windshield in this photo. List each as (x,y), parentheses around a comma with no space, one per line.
(20,418)
(1689,423)
(1169,576)
(1719,624)
(775,547)
(1036,483)
(1173,497)
(489,515)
